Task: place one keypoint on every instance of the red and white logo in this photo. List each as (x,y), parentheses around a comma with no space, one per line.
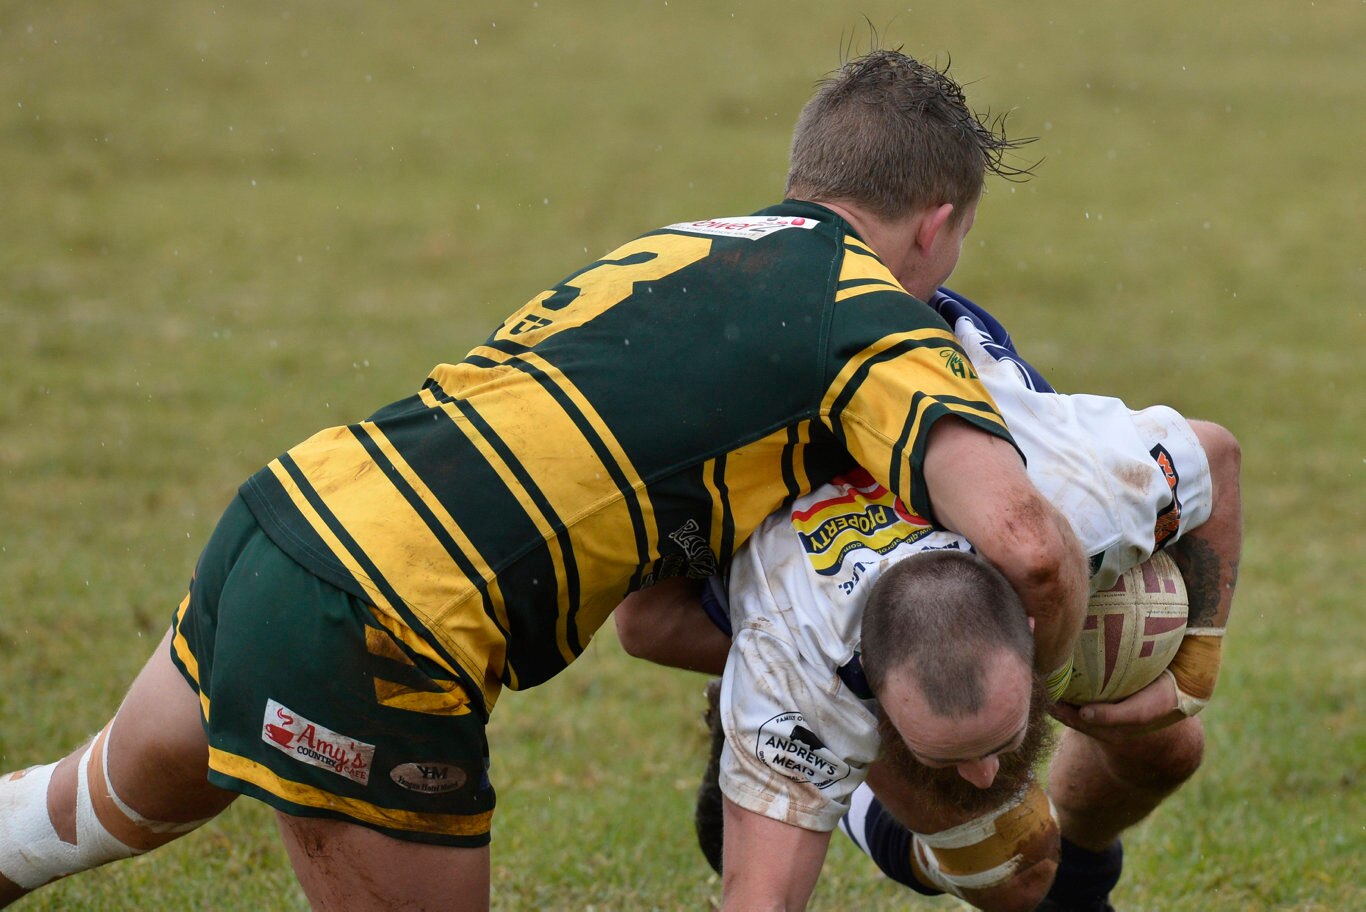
(316,745)
(751,227)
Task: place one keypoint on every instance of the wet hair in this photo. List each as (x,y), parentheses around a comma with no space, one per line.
(939,615)
(894,136)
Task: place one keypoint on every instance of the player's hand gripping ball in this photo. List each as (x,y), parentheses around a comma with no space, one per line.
(1131,632)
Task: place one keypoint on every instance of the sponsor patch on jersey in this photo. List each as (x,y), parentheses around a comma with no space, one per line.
(429,778)
(787,745)
(1169,517)
(316,745)
(863,515)
(749,227)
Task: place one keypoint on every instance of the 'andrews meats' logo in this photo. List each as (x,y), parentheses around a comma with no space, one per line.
(787,745)
(864,514)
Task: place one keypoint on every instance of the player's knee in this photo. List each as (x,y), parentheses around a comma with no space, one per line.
(1161,761)
(53,824)
(1222,450)
(1181,757)
(1003,861)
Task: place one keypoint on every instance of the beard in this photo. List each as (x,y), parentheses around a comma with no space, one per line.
(1015,770)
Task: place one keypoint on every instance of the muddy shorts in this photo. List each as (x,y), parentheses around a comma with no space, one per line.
(313,708)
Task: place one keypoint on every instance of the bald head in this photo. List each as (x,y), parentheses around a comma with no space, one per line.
(936,617)
(948,651)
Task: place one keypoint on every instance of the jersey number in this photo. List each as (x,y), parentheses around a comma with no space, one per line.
(602,285)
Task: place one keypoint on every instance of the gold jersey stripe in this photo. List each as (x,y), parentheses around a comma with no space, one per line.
(250,771)
(719,506)
(377,644)
(855,364)
(871,408)
(451,700)
(452,528)
(845,294)
(181,646)
(613,515)
(751,469)
(599,517)
(542,522)
(803,435)
(869,272)
(634,482)
(853,243)
(374,484)
(915,378)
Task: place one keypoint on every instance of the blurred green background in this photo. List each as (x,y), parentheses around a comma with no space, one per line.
(223,226)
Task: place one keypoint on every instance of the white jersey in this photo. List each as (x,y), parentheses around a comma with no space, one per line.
(799,737)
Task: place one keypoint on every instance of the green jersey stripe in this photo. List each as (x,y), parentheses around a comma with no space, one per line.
(891,353)
(434,525)
(790,450)
(727,544)
(357,554)
(543,506)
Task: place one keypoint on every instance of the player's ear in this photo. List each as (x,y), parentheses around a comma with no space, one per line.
(931,225)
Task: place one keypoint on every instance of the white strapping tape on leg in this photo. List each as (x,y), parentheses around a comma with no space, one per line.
(985,834)
(31,852)
(149,827)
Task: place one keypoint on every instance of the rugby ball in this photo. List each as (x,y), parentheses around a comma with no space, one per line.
(1131,632)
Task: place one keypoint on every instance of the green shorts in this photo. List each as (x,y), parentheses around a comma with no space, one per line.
(315,709)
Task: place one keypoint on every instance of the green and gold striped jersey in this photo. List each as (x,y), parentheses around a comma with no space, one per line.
(634,422)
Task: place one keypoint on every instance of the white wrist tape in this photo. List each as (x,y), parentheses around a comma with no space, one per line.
(1195,668)
(31,852)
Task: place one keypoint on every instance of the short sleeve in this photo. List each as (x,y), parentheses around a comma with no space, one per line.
(797,741)
(887,395)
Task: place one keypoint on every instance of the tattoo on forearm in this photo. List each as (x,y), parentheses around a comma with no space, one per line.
(1204,574)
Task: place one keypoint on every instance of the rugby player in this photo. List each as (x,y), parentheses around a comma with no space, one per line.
(806,715)
(367,595)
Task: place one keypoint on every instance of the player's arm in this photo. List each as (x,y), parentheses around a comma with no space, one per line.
(768,864)
(1208,558)
(913,412)
(978,488)
(665,624)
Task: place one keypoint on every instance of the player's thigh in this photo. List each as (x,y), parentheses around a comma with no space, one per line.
(350,867)
(158,752)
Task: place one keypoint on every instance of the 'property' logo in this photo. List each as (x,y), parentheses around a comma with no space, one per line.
(862,515)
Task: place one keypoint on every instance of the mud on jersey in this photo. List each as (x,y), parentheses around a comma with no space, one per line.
(636,421)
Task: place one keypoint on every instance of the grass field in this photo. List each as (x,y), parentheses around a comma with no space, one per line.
(223,227)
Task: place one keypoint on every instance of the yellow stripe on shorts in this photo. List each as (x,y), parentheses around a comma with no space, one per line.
(253,773)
